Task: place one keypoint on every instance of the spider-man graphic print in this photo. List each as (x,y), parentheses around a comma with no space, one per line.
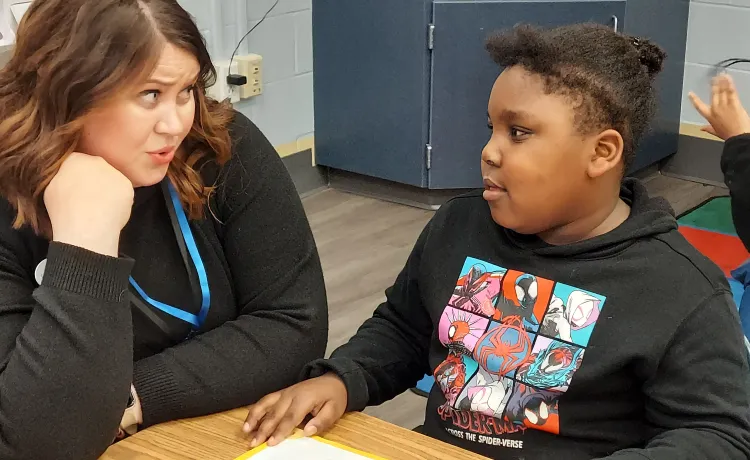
(515,342)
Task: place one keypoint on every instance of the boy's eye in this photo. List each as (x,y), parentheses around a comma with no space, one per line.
(489,125)
(518,134)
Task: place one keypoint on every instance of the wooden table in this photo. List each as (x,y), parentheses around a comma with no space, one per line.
(219,437)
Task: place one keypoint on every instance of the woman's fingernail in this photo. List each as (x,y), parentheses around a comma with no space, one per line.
(271,441)
(254,443)
(246,428)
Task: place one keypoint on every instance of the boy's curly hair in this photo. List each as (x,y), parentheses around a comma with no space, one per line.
(608,76)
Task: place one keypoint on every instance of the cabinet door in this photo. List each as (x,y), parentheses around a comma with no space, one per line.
(463,74)
(371,85)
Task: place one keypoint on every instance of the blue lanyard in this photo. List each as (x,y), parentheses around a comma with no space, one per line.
(187,235)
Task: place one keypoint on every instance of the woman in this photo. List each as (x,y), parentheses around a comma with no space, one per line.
(154,254)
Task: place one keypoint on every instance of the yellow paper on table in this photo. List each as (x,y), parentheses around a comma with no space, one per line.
(314,448)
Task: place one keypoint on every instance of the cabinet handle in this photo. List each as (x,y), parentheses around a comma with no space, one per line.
(616,21)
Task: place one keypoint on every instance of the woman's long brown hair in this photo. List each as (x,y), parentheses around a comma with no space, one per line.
(73,56)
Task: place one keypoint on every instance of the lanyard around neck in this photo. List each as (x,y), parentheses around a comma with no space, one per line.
(182,226)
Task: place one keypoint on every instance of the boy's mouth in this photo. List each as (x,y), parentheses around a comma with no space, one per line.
(493,191)
(491,186)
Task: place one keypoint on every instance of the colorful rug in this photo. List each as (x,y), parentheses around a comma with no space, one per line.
(710,229)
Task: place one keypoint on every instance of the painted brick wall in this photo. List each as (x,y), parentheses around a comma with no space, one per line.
(284,112)
(718,30)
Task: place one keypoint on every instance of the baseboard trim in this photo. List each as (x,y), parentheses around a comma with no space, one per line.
(308,179)
(689,129)
(698,159)
(390,191)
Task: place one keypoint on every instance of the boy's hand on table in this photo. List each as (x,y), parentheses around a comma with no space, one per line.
(726,116)
(275,417)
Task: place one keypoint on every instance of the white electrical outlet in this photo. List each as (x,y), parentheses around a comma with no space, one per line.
(251,66)
(222,90)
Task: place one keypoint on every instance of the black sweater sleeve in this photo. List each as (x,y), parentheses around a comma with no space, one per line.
(389,353)
(65,350)
(735,163)
(700,393)
(278,283)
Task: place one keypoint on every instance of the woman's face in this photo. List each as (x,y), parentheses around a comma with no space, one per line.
(140,132)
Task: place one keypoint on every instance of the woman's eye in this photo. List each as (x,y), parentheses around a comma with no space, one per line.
(186,94)
(489,126)
(150,96)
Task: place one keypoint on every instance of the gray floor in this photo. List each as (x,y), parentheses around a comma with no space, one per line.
(364,243)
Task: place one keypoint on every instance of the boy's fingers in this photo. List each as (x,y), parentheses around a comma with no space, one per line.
(700,106)
(293,417)
(271,421)
(258,410)
(325,419)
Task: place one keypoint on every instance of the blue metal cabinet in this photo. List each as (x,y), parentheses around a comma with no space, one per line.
(401,86)
(665,22)
(372,81)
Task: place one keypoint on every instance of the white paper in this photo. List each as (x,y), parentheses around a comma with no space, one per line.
(305,449)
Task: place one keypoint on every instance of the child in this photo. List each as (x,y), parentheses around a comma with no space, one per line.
(562,314)
(729,121)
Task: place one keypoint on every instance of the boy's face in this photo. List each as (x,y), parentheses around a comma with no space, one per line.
(535,165)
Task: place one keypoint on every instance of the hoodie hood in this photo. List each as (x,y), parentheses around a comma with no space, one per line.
(648,217)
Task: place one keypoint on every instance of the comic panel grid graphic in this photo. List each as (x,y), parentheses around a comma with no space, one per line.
(515,342)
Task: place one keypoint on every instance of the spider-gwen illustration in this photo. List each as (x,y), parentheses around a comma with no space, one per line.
(571,321)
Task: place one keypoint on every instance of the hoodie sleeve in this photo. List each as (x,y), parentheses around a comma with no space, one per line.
(700,395)
(735,163)
(389,353)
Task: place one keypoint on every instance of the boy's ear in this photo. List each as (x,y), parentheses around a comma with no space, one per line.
(607,155)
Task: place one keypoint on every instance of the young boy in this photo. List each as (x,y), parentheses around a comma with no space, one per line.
(729,121)
(562,314)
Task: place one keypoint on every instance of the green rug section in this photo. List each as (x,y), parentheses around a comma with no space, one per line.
(714,215)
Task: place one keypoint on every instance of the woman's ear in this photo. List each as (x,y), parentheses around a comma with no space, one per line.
(607,155)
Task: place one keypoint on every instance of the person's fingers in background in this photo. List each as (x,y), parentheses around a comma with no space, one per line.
(709,129)
(703,109)
(723,85)
(715,93)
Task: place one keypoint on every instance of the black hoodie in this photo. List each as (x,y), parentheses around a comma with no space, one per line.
(735,163)
(626,345)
